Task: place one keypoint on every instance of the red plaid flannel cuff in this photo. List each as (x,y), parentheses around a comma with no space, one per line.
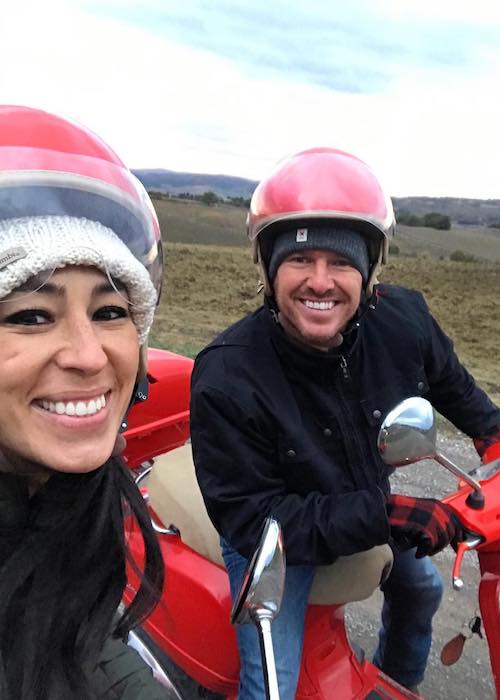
(403,510)
(488,445)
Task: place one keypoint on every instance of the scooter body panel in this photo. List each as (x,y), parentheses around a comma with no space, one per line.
(489,602)
(330,668)
(162,422)
(191,624)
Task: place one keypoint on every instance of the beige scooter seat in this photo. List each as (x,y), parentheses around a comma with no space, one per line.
(176,498)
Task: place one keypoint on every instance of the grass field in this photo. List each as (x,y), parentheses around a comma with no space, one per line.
(186,221)
(482,243)
(209,287)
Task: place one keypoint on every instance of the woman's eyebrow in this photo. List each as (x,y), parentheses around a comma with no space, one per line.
(36,284)
(108,287)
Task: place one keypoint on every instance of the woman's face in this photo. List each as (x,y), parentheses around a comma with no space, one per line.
(68,361)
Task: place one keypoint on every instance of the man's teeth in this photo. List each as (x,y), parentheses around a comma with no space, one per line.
(319,305)
(75,408)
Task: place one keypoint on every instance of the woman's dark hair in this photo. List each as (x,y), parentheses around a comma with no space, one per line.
(62,575)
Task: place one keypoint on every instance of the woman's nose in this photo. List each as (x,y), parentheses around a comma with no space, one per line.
(82,348)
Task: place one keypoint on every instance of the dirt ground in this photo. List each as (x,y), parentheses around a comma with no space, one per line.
(470,678)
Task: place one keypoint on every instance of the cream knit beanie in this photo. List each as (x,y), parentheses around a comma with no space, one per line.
(30,245)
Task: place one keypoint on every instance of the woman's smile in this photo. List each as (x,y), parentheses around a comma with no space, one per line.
(77,413)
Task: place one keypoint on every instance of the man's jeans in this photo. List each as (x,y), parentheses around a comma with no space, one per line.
(412,596)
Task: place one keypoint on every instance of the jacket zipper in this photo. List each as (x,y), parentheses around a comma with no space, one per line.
(344,368)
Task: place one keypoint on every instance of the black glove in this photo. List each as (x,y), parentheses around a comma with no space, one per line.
(424,523)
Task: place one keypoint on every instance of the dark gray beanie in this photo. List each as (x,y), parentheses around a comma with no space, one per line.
(349,244)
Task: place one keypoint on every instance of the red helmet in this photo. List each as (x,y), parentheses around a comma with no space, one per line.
(318,186)
(50,166)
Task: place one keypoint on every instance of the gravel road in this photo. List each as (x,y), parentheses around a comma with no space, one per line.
(470,678)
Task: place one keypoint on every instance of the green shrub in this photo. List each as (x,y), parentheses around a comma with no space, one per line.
(437,221)
(462,256)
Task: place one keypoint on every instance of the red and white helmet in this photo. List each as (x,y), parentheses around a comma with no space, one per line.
(62,187)
(51,166)
(320,186)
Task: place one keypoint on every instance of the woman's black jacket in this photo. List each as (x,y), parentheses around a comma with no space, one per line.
(280,429)
(120,673)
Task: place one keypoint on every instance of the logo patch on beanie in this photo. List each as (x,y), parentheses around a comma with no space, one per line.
(11,255)
(301,236)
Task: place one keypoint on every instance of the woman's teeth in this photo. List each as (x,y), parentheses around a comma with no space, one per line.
(75,408)
(319,305)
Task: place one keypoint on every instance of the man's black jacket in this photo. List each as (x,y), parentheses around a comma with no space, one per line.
(279,429)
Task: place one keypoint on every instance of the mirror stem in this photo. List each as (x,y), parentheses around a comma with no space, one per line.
(445,462)
(268,664)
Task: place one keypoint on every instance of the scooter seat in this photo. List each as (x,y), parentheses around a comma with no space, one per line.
(176,498)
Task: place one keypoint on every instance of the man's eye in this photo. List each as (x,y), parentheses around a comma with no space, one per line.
(111,313)
(29,317)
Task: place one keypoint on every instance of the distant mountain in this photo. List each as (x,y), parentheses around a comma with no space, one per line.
(196,183)
(462,212)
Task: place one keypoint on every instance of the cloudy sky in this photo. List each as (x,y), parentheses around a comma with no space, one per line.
(230,86)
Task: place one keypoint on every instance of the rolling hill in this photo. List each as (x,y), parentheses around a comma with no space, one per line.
(187,221)
(463,212)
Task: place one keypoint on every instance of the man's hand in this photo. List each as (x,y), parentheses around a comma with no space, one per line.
(424,523)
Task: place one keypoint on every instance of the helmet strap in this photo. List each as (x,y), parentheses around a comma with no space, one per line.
(375,269)
(140,392)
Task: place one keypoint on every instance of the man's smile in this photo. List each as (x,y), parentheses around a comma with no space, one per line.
(319,305)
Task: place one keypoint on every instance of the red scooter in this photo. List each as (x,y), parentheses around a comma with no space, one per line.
(192,625)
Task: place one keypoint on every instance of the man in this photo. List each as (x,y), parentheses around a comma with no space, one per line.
(287,404)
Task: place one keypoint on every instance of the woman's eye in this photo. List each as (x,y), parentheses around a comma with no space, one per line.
(29,317)
(111,313)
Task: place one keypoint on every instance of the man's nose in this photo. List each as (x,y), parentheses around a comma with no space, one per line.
(321,279)
(81,348)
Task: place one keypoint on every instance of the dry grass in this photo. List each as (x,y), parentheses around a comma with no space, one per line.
(209,287)
(185,221)
(481,242)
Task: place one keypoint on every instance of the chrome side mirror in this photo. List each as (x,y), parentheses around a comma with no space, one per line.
(260,595)
(408,434)
(262,588)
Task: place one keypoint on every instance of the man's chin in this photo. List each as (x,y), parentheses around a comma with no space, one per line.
(322,342)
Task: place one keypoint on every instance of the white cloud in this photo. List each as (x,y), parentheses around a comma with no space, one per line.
(161,104)
(479,12)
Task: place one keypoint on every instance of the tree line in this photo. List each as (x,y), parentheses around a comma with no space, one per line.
(209,198)
(431,220)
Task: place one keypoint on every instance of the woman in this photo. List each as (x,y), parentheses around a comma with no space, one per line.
(80,275)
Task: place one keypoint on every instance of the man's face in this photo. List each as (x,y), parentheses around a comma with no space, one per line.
(317,293)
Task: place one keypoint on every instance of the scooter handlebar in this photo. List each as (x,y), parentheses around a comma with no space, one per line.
(471,541)
(480,527)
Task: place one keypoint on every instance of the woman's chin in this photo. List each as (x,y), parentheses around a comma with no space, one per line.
(80,461)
